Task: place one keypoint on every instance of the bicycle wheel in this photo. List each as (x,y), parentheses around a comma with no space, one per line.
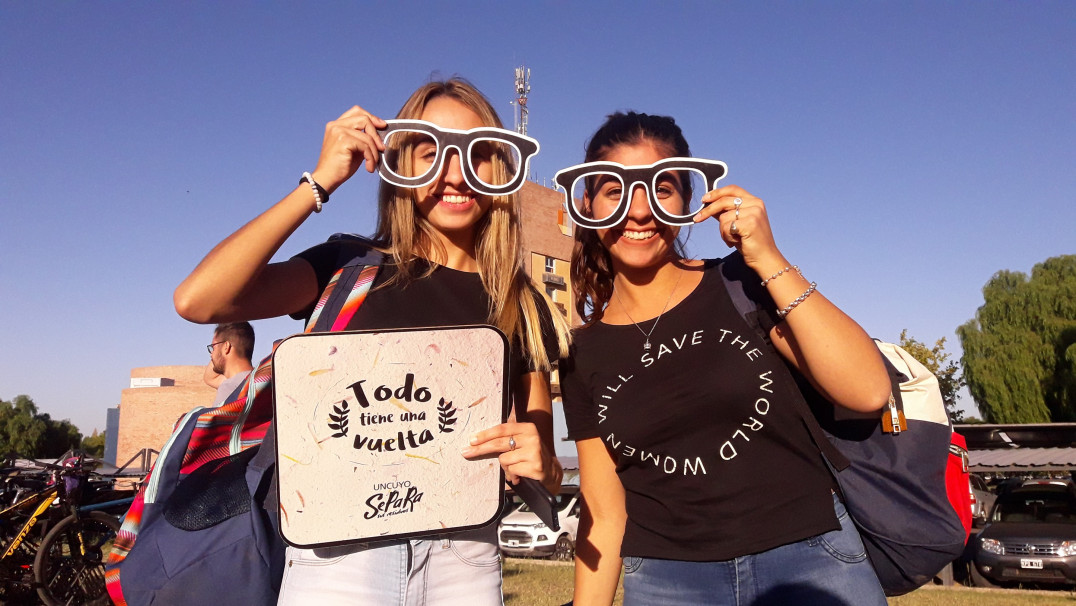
(69,574)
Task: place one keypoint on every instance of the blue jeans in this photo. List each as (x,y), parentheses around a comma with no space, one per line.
(828,570)
(462,569)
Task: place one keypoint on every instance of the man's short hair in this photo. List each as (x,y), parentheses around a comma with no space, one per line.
(239,334)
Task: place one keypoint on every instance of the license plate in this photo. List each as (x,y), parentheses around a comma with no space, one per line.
(1026,563)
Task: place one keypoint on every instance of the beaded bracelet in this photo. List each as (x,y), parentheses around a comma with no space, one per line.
(781,273)
(320,195)
(781,313)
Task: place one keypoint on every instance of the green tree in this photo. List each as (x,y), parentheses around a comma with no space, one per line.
(938,361)
(24,432)
(95,444)
(60,437)
(1020,350)
(20,428)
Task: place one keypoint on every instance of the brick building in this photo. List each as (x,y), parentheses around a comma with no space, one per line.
(150,407)
(159,395)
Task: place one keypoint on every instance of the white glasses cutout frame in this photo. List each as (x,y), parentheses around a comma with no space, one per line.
(712,171)
(463,141)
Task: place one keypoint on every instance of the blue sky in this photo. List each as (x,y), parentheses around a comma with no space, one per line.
(906,151)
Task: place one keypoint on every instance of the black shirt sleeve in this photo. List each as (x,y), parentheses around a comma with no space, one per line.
(576,398)
(325,259)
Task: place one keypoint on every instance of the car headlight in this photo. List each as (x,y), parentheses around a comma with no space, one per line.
(1066,548)
(992,546)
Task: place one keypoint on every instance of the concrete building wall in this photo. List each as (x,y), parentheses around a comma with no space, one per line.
(112,432)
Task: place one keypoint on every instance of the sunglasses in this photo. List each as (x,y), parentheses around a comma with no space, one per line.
(415,153)
(597,195)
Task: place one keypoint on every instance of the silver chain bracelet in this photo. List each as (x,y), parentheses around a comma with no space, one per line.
(800,299)
(781,273)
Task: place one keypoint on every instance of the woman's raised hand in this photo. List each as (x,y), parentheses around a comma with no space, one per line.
(744,224)
(349,141)
(520,452)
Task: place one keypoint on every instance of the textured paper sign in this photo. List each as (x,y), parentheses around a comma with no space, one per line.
(370,426)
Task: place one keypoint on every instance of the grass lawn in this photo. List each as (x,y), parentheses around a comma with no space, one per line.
(544,583)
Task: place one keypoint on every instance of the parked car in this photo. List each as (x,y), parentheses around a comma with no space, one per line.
(982,499)
(521,533)
(1030,537)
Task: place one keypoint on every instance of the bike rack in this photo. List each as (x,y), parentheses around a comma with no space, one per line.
(145,457)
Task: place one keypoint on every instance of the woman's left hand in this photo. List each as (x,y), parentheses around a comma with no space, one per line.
(519,450)
(752,235)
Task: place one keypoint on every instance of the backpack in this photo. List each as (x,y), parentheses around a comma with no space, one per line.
(204,526)
(894,475)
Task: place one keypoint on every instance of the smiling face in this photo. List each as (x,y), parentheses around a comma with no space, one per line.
(448,202)
(639,241)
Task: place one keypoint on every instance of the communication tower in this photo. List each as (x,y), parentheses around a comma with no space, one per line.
(523,88)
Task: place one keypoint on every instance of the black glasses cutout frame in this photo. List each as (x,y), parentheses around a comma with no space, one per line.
(462,141)
(630,176)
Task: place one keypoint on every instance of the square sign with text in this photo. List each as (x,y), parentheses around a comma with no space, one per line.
(370,426)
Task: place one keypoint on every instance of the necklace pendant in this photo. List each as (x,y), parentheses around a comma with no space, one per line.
(646,346)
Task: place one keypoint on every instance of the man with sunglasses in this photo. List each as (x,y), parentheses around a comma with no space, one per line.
(229,358)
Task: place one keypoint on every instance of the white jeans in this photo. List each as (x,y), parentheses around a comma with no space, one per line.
(461,569)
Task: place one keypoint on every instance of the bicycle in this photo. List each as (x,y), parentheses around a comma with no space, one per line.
(55,540)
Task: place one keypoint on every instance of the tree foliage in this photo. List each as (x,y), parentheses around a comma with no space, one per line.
(95,444)
(1020,350)
(938,361)
(24,432)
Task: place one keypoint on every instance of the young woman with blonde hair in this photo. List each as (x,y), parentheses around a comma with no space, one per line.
(449,227)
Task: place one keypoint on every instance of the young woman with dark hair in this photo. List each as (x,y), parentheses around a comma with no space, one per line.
(700,479)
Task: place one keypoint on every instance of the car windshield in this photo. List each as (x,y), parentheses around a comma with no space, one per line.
(1053,507)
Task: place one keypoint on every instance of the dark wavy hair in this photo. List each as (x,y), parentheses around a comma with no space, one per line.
(239,334)
(592,267)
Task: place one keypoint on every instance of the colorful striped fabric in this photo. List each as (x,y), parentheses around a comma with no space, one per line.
(213,433)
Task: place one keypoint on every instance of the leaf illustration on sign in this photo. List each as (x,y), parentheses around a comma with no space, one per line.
(446,416)
(339,420)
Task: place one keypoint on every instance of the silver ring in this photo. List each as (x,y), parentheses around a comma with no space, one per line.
(737,212)
(734,230)
(737,202)
(511,442)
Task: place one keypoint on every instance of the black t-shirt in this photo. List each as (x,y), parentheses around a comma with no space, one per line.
(715,460)
(446,297)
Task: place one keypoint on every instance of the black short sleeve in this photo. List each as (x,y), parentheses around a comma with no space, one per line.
(325,259)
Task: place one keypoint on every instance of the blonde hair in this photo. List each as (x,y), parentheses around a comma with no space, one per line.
(408,236)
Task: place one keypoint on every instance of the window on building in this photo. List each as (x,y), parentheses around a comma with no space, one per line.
(550,264)
(551,293)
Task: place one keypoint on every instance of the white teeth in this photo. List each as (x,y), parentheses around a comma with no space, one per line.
(455,199)
(638,235)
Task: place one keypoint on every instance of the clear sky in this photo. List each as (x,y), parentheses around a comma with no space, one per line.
(906,151)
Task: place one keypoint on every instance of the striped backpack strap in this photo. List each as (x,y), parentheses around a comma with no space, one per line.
(352,297)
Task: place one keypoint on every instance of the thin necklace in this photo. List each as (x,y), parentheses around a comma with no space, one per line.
(646,345)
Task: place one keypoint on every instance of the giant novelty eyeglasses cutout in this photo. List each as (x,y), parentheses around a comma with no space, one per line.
(598,194)
(415,152)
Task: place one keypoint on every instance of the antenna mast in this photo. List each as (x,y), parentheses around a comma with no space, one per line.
(523,88)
